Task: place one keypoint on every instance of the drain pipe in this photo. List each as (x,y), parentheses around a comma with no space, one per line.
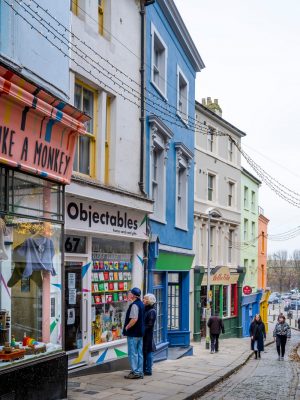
(143,4)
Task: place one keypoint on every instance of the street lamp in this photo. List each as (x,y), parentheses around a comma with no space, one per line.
(211,214)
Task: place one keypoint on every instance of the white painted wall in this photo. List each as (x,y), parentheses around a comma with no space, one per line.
(121,24)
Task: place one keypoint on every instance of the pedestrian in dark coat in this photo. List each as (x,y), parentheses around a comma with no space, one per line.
(148,341)
(282,332)
(216,326)
(258,335)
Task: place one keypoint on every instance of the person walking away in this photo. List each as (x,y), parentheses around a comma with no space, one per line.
(282,332)
(216,326)
(298,323)
(148,342)
(258,335)
(134,327)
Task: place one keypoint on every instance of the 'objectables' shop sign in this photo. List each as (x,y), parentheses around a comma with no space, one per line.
(96,217)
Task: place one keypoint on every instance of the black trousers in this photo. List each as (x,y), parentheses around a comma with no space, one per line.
(280,344)
(214,342)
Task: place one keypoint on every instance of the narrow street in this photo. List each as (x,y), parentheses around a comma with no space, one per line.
(265,379)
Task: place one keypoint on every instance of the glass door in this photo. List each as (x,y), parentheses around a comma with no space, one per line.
(76,314)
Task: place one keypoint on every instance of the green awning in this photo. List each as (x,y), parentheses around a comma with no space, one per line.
(174,262)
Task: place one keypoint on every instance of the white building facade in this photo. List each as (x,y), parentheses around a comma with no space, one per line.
(106,212)
(217,188)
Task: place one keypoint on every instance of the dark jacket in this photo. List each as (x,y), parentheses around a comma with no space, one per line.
(138,329)
(150,318)
(258,333)
(215,325)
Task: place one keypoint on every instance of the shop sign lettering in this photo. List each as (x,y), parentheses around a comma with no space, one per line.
(98,217)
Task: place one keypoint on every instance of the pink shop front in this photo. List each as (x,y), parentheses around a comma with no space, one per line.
(103,260)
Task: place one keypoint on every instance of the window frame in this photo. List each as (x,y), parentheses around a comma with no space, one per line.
(183,163)
(183,115)
(162,92)
(161,136)
(177,305)
(211,189)
(91,136)
(231,192)
(101,9)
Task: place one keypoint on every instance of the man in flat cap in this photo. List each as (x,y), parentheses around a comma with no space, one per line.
(134,328)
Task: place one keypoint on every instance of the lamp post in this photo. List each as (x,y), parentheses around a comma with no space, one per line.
(211,214)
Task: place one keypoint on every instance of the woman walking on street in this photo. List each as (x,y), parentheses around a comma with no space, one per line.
(148,342)
(282,332)
(257,334)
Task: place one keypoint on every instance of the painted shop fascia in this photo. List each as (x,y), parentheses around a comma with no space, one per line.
(38,133)
(108,261)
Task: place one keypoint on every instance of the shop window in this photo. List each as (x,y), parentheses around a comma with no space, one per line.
(86,101)
(30,267)
(158,291)
(173,301)
(159,62)
(101,5)
(182,95)
(111,281)
(233,300)
(225,295)
(216,300)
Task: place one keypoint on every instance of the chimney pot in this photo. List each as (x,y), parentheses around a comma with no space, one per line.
(203,101)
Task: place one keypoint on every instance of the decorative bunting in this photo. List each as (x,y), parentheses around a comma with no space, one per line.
(102,357)
(85,269)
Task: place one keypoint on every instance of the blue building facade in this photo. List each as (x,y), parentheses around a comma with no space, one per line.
(250,307)
(172,63)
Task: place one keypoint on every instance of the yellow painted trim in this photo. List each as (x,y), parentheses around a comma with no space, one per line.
(92,136)
(81,354)
(101,18)
(107,139)
(74,7)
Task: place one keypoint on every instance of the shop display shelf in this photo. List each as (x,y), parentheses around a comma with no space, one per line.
(103,304)
(112,270)
(111,291)
(111,281)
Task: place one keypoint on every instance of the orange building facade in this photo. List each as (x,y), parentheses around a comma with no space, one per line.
(262,250)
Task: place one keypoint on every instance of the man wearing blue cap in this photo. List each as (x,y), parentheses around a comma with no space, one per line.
(134,328)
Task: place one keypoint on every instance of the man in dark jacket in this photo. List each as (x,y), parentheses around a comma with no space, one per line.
(216,326)
(134,328)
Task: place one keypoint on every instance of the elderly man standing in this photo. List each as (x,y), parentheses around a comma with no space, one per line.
(134,328)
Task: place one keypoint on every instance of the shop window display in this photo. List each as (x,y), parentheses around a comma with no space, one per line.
(110,283)
(30,267)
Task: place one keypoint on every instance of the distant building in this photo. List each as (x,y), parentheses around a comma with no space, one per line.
(217,189)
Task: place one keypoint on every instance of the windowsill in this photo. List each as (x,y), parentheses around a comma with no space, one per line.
(164,97)
(81,175)
(157,219)
(181,228)
(185,122)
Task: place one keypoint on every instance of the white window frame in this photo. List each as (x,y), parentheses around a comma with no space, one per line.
(160,142)
(253,200)
(211,139)
(230,246)
(230,150)
(246,229)
(246,197)
(183,164)
(214,180)
(184,115)
(162,89)
(231,194)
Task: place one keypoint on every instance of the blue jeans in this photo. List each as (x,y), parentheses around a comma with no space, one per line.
(135,354)
(148,362)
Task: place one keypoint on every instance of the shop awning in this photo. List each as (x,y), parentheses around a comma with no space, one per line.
(174,261)
(38,131)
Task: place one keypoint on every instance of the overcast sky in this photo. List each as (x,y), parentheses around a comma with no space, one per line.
(251,50)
